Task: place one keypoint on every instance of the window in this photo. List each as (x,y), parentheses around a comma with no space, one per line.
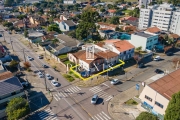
(158,104)
(13,93)
(148,98)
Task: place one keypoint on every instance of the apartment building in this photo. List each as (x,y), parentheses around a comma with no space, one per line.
(162,16)
(144,3)
(145,40)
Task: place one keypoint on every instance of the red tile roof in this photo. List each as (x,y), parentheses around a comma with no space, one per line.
(167,85)
(174,36)
(6,75)
(153,29)
(111,11)
(107,54)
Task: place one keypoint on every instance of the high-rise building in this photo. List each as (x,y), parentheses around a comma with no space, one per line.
(144,3)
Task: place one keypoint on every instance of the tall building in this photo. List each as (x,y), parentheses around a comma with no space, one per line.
(163,16)
(144,2)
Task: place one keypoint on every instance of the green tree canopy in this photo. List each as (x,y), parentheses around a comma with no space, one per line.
(173,109)
(21,17)
(17,108)
(7,24)
(146,116)
(26,33)
(54,27)
(13,63)
(114,20)
(8,2)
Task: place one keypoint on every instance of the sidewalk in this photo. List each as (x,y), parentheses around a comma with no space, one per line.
(119,111)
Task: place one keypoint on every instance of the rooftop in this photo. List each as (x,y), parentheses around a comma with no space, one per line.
(143,34)
(153,29)
(67,41)
(167,85)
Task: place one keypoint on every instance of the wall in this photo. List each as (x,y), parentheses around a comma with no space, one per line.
(138,41)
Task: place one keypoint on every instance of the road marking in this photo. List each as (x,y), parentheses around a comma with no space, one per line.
(55,98)
(69,91)
(109,98)
(74,89)
(103,116)
(106,115)
(78,88)
(61,94)
(96,118)
(105,84)
(99,117)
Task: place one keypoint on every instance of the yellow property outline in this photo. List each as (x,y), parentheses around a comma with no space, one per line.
(76,73)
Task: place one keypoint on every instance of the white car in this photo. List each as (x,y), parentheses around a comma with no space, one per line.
(157,58)
(94,99)
(114,81)
(29,58)
(49,77)
(40,75)
(54,83)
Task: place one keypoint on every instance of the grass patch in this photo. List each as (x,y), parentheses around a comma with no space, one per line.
(68,62)
(126,11)
(68,77)
(63,56)
(131,102)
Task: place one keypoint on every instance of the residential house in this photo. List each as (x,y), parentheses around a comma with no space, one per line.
(154,30)
(69,2)
(156,95)
(2,51)
(66,25)
(19,24)
(107,25)
(66,44)
(73,57)
(145,40)
(175,37)
(65,16)
(112,12)
(122,6)
(38,20)
(130,29)
(47,37)
(123,48)
(10,87)
(133,21)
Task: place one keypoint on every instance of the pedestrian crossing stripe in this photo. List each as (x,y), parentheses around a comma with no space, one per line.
(100,116)
(47,115)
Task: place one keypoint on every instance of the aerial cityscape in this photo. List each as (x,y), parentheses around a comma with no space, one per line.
(89,59)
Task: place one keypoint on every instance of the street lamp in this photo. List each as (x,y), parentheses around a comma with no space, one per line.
(11,44)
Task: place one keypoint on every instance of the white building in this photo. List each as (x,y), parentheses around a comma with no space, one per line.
(163,16)
(69,2)
(155,96)
(144,2)
(144,39)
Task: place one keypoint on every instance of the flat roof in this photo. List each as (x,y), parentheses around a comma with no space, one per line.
(167,85)
(143,34)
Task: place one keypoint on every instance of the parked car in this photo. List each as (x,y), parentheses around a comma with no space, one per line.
(25,84)
(159,71)
(40,57)
(29,58)
(169,54)
(94,99)
(49,77)
(0,35)
(44,66)
(114,81)
(157,58)
(40,75)
(54,83)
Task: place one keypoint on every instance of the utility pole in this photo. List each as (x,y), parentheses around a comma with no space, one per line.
(11,44)
(45,80)
(3,36)
(24,55)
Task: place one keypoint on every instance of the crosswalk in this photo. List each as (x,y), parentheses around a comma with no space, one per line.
(47,115)
(97,90)
(100,116)
(58,96)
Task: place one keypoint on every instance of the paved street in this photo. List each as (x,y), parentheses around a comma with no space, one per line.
(73,102)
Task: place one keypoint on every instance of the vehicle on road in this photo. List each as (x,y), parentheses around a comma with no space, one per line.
(169,54)
(49,77)
(40,57)
(29,58)
(94,99)
(0,35)
(114,81)
(44,66)
(25,84)
(157,58)
(159,71)
(54,83)
(40,75)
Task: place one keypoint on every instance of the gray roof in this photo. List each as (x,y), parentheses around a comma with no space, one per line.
(142,34)
(59,46)
(10,85)
(69,22)
(67,41)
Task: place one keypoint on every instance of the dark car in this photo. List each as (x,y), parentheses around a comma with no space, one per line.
(44,66)
(159,71)
(169,54)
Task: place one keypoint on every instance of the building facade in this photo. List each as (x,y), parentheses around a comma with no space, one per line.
(144,3)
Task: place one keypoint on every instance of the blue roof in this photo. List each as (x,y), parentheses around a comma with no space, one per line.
(10,85)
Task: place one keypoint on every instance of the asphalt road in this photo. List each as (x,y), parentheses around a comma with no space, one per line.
(72,102)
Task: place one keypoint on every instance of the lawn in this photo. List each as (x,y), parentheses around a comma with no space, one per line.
(68,62)
(131,102)
(126,11)
(63,56)
(68,77)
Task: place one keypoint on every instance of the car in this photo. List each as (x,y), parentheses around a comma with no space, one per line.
(157,58)
(49,77)
(159,71)
(40,57)
(94,99)
(40,75)
(114,81)
(54,83)
(0,35)
(169,54)
(44,66)
(25,84)
(29,58)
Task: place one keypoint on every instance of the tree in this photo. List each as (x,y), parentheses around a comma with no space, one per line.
(13,63)
(26,33)
(8,3)
(7,24)
(17,108)
(54,27)
(173,109)
(54,41)
(72,34)
(21,17)
(27,65)
(102,10)
(114,20)
(139,49)
(146,116)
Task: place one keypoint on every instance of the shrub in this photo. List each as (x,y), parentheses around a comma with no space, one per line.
(68,77)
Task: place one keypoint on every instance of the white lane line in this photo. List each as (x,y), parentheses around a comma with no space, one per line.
(109,98)
(99,117)
(96,118)
(92,118)
(103,116)
(93,88)
(96,90)
(69,91)
(55,98)
(105,84)
(106,115)
(74,89)
(61,94)
(66,92)
(58,96)
(78,88)
(54,118)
